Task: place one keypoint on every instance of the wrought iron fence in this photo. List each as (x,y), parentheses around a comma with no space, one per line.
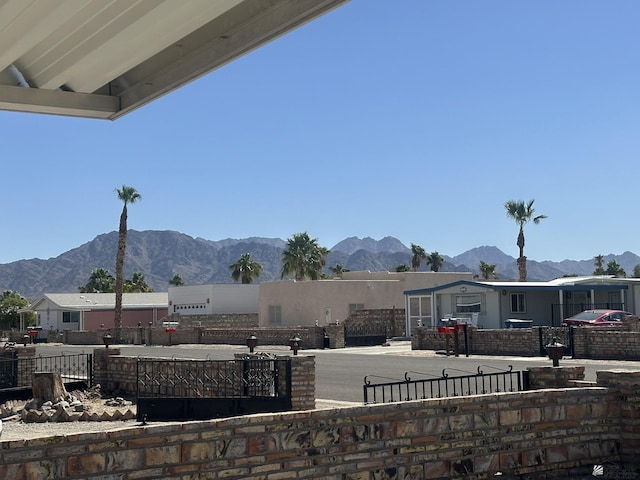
(18,372)
(444,385)
(197,389)
(210,378)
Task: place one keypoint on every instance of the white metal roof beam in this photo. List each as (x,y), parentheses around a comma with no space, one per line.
(57,102)
(221,48)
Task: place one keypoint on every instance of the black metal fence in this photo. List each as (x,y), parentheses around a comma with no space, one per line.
(445,385)
(181,389)
(364,335)
(16,374)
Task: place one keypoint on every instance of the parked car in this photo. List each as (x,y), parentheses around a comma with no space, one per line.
(596,318)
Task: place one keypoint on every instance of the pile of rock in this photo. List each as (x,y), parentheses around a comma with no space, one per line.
(77,406)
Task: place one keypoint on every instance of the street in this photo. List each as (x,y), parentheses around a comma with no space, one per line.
(340,373)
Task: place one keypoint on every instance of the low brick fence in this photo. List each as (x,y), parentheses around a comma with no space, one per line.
(615,343)
(391,319)
(545,434)
(118,374)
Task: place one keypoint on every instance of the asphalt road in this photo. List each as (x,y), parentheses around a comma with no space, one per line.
(340,373)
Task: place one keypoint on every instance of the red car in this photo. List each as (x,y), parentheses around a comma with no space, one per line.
(596,318)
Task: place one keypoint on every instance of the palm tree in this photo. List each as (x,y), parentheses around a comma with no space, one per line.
(403,267)
(338,270)
(522,214)
(100,281)
(598,261)
(176,281)
(246,268)
(488,270)
(126,195)
(303,257)
(137,284)
(435,260)
(417,255)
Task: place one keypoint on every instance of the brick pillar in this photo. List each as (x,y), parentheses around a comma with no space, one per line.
(336,335)
(624,389)
(554,377)
(101,366)
(26,368)
(303,382)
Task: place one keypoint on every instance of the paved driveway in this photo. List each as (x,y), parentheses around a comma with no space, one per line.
(340,373)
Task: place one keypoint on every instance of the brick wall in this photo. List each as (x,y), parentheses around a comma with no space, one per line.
(392,319)
(544,434)
(617,343)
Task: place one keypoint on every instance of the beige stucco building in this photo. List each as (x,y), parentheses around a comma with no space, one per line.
(305,303)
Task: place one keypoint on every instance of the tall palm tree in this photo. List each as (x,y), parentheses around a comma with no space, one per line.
(598,261)
(435,260)
(303,257)
(522,214)
(338,270)
(487,270)
(176,280)
(417,255)
(403,267)
(127,195)
(137,284)
(246,268)
(100,281)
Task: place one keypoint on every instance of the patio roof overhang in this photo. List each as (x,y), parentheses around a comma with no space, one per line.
(105,58)
(518,287)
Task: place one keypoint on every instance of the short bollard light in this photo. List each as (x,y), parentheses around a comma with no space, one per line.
(26,339)
(555,351)
(107,340)
(294,343)
(252,342)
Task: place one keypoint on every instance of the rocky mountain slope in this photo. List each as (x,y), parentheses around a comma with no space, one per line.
(158,255)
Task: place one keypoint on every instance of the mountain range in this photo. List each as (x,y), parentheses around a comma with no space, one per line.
(158,255)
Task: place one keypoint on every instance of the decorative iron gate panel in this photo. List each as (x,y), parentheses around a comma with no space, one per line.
(181,389)
(364,335)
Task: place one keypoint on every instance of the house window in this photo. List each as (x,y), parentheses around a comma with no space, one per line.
(275,315)
(468,303)
(355,306)
(70,317)
(518,303)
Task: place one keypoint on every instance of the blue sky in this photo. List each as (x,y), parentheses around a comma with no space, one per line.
(415,119)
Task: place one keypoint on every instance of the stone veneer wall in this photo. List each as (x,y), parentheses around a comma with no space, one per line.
(392,319)
(543,434)
(616,343)
(606,343)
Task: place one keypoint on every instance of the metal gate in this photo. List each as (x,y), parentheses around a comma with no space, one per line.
(364,335)
(181,389)
(16,374)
